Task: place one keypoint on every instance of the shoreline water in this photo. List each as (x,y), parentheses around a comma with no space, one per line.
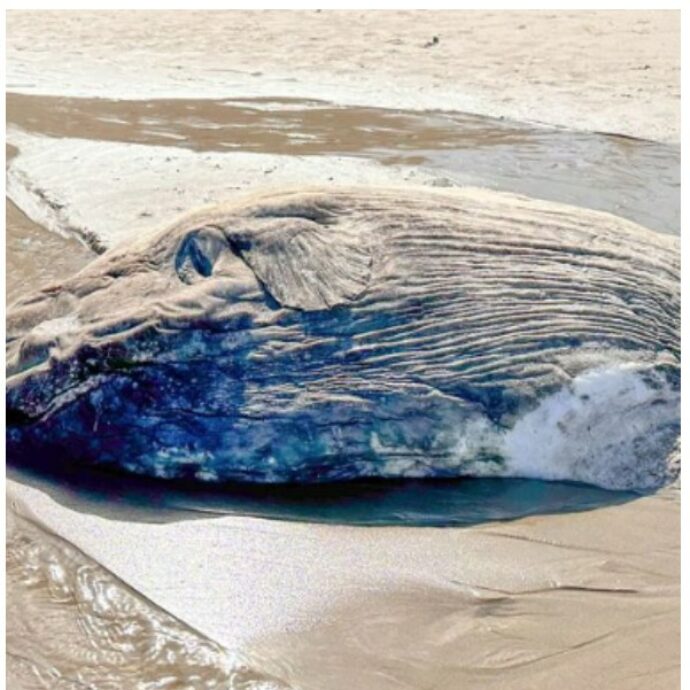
(50,178)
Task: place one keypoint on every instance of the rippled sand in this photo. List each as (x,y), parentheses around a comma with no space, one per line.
(590,597)
(74,624)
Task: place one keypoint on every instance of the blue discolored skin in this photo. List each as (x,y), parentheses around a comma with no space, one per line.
(337,334)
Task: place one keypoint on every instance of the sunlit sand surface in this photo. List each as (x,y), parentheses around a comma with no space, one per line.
(578,595)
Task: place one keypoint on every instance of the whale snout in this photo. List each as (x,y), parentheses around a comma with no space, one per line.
(35,347)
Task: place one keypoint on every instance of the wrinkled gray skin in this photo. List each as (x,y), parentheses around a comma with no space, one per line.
(338,334)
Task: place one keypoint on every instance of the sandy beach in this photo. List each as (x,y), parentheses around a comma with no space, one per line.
(602,71)
(118,122)
(583,596)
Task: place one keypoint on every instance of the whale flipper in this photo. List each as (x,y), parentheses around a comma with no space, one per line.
(304,264)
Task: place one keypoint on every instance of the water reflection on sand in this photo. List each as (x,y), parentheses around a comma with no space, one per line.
(573,595)
(636,179)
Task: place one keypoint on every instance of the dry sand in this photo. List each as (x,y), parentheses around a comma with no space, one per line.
(614,71)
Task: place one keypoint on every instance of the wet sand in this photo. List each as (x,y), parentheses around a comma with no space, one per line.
(35,256)
(52,586)
(638,180)
(577,599)
(587,599)
(612,71)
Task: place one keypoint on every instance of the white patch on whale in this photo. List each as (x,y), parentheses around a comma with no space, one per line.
(605,428)
(592,430)
(54,328)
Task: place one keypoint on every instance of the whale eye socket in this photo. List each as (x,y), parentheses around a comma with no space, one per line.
(198,253)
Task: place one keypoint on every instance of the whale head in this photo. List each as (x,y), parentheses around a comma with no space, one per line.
(338,334)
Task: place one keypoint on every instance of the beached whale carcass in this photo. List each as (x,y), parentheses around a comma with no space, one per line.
(334,334)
